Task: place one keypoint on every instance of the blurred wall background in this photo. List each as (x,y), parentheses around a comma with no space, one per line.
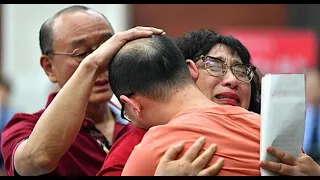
(20,24)
(177,19)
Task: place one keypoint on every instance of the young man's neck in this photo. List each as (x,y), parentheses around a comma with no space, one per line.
(184,99)
(190,97)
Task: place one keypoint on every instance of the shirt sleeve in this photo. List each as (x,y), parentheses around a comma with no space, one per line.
(120,152)
(16,130)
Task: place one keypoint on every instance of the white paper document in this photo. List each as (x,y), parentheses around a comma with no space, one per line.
(282,115)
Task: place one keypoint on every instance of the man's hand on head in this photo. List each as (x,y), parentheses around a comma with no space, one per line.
(103,55)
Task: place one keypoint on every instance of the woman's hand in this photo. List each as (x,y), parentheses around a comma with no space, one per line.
(191,163)
(289,165)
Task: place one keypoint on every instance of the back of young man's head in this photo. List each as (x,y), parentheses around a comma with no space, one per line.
(150,67)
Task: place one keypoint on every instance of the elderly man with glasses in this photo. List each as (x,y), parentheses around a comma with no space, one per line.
(74,132)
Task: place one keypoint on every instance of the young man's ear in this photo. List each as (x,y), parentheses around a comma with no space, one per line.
(135,105)
(46,65)
(194,72)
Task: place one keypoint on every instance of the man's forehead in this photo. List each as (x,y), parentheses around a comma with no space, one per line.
(79,21)
(99,36)
(92,39)
(80,13)
(77,31)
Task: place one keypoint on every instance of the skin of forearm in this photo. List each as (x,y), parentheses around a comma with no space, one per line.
(58,126)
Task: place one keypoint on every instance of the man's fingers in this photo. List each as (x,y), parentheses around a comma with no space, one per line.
(135,33)
(171,153)
(202,160)
(152,29)
(280,168)
(109,48)
(194,150)
(284,157)
(213,169)
(141,32)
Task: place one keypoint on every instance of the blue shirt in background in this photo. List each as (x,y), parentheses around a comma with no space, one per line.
(311,143)
(5,116)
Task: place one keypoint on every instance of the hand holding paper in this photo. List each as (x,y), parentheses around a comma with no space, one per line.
(290,165)
(282,115)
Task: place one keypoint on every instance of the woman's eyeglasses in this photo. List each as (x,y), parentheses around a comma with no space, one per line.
(218,68)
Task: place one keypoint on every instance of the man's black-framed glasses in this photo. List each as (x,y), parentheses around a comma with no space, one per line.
(123,113)
(218,68)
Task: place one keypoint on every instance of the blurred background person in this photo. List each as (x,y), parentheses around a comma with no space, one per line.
(311,143)
(5,111)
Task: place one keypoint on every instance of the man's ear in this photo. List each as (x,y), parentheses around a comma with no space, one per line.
(135,105)
(46,64)
(194,72)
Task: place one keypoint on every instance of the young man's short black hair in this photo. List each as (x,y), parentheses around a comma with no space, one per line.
(151,67)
